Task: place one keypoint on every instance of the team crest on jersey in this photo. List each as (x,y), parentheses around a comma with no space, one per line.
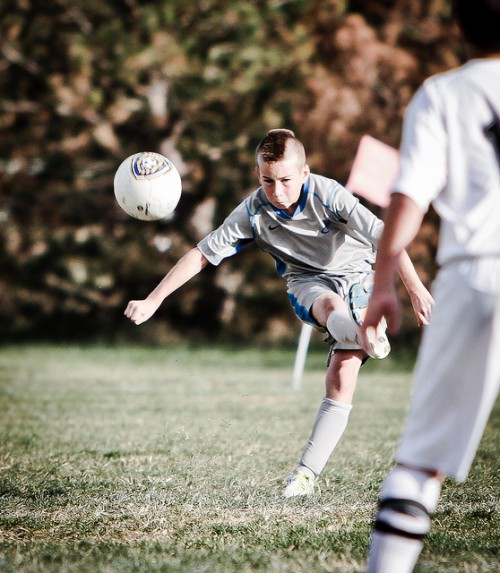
(150,164)
(326,228)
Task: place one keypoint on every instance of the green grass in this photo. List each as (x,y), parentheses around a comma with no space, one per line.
(173,459)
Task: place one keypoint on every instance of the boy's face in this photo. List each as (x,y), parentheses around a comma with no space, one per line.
(282,181)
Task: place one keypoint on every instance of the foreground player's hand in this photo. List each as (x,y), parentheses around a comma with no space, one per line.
(385,304)
(140,310)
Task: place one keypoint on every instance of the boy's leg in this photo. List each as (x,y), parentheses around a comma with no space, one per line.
(344,321)
(329,310)
(330,423)
(333,414)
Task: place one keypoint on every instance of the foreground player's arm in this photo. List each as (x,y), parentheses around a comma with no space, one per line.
(370,227)
(186,268)
(402,223)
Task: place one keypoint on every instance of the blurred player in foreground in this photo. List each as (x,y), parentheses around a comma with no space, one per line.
(323,241)
(450,158)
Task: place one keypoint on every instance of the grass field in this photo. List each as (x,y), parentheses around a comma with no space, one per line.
(173,460)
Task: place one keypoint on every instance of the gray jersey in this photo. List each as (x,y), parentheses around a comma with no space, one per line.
(330,231)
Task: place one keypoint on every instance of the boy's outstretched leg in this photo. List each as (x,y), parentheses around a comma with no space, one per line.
(330,423)
(342,322)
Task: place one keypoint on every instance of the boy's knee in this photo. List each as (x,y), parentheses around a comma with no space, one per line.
(326,304)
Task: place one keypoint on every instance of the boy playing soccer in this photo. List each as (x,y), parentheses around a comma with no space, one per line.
(323,241)
(450,157)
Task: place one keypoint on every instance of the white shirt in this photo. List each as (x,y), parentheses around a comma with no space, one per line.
(446,158)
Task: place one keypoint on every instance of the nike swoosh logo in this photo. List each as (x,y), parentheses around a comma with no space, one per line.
(272,227)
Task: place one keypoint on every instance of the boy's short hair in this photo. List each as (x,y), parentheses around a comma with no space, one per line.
(479,22)
(278,142)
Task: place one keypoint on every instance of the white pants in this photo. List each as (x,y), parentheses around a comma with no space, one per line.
(457,376)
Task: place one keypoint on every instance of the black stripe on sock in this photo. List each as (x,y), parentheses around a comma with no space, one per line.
(407,507)
(383,527)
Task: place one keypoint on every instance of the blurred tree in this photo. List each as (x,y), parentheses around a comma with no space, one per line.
(83,84)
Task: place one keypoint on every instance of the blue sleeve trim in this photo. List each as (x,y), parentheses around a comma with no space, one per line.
(280,266)
(242,244)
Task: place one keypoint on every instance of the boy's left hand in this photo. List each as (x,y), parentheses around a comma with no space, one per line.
(422,302)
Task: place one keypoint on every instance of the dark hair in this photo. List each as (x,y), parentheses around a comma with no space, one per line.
(278,141)
(479,22)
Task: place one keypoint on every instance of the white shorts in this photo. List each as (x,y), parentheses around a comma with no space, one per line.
(457,376)
(304,290)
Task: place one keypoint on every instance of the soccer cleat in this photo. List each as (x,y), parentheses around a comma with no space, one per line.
(300,483)
(378,343)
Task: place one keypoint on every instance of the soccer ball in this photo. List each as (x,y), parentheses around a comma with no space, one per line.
(147,186)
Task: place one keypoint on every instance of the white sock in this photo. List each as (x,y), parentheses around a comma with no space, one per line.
(407,483)
(398,553)
(393,554)
(331,421)
(341,326)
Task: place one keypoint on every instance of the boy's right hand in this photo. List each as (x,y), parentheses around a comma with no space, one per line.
(140,310)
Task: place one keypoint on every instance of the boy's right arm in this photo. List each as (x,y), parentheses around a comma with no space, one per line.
(186,268)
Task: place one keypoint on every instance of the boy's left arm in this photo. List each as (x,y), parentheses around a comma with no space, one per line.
(421,298)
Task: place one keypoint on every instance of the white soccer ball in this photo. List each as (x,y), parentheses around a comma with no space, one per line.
(147,186)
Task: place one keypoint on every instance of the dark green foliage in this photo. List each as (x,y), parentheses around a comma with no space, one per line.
(85,84)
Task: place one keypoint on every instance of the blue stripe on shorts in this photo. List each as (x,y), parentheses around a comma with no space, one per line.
(302,312)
